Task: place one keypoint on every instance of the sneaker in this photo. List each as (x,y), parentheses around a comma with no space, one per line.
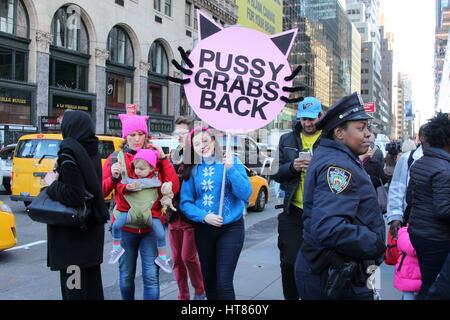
(201,296)
(115,255)
(166,265)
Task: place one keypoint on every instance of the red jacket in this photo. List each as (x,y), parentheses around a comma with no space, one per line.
(166,173)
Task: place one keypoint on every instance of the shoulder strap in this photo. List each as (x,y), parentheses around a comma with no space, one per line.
(121,158)
(71,159)
(411,159)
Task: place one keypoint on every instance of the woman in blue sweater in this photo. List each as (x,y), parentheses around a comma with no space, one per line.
(219,240)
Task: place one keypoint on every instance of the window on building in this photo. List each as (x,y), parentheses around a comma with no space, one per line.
(157,83)
(69,31)
(120,48)
(67,75)
(157,5)
(14,18)
(168,8)
(188,14)
(12,64)
(195,17)
(158,59)
(118,91)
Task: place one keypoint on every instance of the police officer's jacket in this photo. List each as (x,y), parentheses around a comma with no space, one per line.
(341,210)
(288,150)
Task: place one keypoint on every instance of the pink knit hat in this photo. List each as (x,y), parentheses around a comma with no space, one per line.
(131,123)
(148,155)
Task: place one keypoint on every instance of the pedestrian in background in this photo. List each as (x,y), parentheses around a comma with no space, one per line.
(181,229)
(429,222)
(78,169)
(219,239)
(295,150)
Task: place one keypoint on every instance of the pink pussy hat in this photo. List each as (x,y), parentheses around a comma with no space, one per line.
(148,155)
(131,123)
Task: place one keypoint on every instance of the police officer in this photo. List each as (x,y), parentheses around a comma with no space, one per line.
(294,155)
(343,225)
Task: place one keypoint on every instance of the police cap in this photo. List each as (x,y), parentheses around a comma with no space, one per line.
(349,108)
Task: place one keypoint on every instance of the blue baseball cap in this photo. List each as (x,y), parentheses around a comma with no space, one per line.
(310,108)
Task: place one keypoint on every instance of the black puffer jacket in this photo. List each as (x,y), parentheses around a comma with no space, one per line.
(288,149)
(430,183)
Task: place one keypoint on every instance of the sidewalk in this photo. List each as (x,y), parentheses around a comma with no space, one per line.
(257,274)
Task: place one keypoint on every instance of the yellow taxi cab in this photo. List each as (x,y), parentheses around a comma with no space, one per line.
(36,154)
(260,191)
(8,238)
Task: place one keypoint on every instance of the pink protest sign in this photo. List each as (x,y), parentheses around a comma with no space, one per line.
(238,75)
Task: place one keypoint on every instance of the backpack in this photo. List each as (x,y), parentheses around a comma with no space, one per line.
(408,191)
(392,253)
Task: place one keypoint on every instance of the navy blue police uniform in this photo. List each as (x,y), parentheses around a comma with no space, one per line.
(342,219)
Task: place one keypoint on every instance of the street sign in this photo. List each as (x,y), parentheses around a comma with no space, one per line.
(369,107)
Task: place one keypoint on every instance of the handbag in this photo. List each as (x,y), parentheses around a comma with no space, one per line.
(392,253)
(382,198)
(44,209)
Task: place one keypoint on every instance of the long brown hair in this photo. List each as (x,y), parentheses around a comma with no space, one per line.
(191,158)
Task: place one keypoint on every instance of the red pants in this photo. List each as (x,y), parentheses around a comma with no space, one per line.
(185,258)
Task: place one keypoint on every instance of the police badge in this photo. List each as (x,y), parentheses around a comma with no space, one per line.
(338,179)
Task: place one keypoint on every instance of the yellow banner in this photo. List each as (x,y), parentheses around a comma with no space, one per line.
(262,15)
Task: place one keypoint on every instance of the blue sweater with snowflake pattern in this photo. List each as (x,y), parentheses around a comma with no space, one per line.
(200,195)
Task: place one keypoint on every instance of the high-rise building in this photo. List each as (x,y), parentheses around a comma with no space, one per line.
(387,65)
(365,15)
(338,33)
(440,46)
(356,61)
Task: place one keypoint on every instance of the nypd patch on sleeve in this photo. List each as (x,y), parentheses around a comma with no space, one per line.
(338,179)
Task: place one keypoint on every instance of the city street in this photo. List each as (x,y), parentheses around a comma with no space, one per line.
(24,274)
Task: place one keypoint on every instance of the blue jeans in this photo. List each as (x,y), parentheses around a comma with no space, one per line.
(160,232)
(118,224)
(145,244)
(219,250)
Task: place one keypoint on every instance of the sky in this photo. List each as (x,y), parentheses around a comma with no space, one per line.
(413,25)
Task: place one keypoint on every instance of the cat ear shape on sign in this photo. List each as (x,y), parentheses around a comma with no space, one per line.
(285,40)
(206,26)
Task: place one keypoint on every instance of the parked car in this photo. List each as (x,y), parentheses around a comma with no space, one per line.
(167,144)
(260,191)
(35,155)
(6,156)
(8,236)
(250,153)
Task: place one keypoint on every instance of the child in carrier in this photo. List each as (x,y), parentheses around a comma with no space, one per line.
(407,272)
(142,194)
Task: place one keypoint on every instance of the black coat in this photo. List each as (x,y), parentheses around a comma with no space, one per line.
(430,185)
(288,149)
(375,171)
(78,246)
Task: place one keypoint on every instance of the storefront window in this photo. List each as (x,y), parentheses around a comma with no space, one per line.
(118,91)
(120,48)
(69,31)
(13,18)
(15,106)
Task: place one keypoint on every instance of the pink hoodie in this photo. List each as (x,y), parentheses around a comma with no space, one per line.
(408,279)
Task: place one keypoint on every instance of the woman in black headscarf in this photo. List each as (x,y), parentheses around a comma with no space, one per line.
(78,252)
